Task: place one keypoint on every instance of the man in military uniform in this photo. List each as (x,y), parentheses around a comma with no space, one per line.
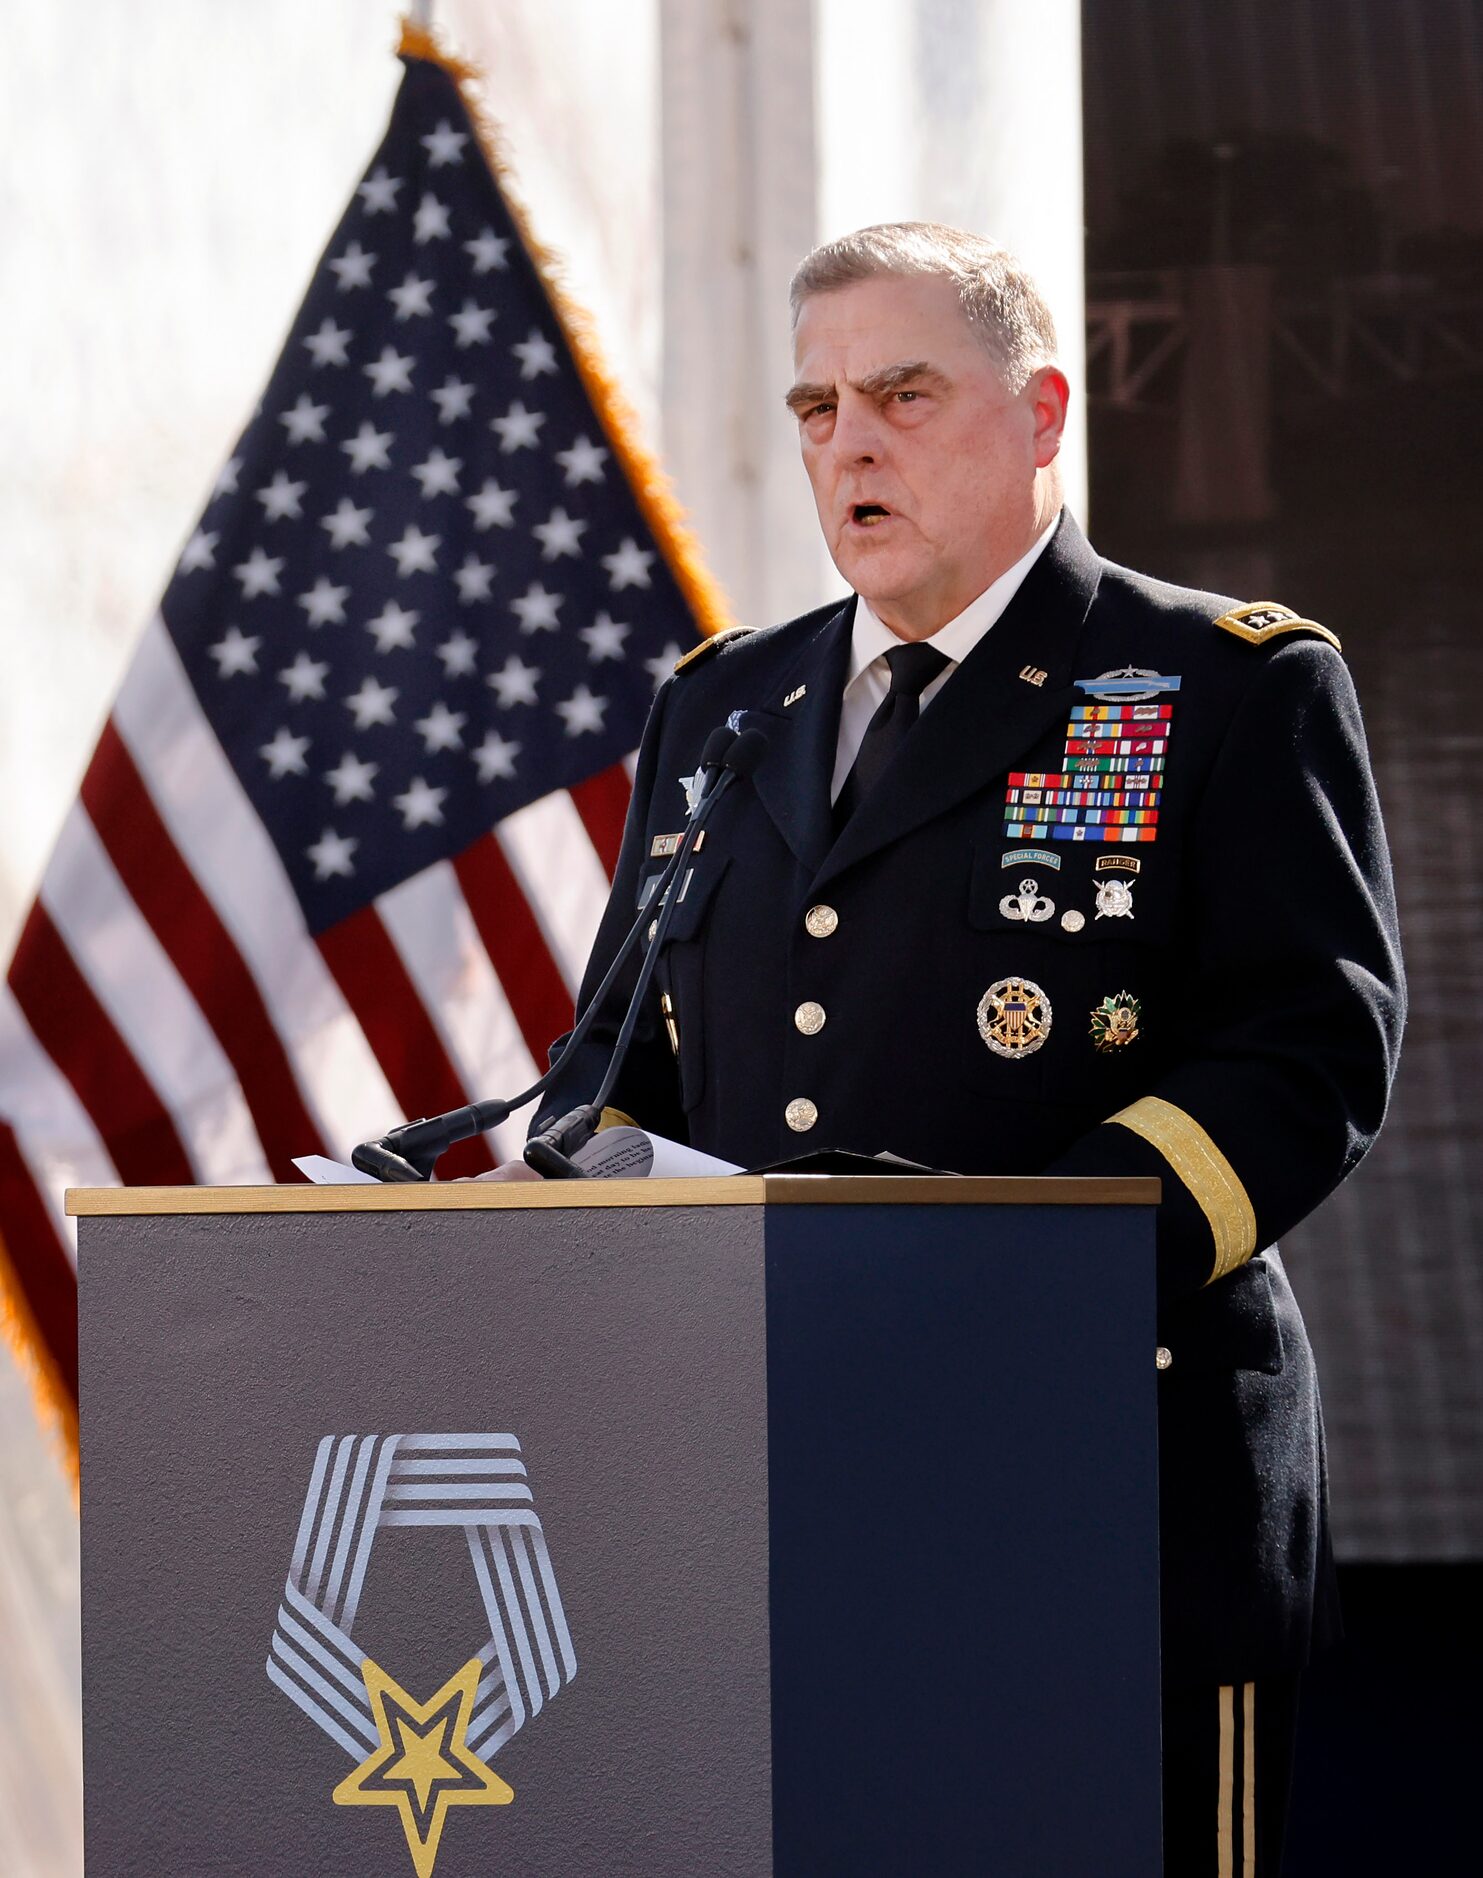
(1048,868)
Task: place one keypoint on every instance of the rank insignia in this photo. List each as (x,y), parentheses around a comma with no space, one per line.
(1027,904)
(1267,620)
(1114,900)
(1014,1017)
(1115,1022)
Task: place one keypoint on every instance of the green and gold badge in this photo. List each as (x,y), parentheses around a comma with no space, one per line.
(1115,1021)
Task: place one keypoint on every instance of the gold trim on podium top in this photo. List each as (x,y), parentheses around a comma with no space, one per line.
(709,1190)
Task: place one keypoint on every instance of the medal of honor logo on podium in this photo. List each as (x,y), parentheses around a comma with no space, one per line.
(421,1756)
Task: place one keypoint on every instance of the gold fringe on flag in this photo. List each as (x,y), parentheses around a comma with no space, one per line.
(656,499)
(55,1409)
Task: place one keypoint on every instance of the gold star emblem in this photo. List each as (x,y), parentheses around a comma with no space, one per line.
(423,1765)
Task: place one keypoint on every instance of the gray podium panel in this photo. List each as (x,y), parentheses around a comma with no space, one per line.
(580,1494)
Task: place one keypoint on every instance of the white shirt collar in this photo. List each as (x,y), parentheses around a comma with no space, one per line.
(958,638)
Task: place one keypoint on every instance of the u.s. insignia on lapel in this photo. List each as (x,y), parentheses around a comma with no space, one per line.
(793,696)
(1014,1017)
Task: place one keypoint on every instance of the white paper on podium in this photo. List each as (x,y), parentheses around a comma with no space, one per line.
(327,1173)
(631,1154)
(615,1154)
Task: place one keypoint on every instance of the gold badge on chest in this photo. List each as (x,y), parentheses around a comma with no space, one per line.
(1014,1017)
(1116,1022)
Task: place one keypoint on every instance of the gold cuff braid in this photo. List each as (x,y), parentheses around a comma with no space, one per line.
(1204,1170)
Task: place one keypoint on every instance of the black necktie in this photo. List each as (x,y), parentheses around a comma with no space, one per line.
(913,667)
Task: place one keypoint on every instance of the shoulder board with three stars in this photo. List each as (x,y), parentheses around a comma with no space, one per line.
(708,646)
(1265,620)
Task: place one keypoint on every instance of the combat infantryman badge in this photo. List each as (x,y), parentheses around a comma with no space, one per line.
(1129,684)
(1014,1017)
(1115,1022)
(1114,900)
(1027,904)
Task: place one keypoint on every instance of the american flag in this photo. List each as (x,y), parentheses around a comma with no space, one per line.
(344,841)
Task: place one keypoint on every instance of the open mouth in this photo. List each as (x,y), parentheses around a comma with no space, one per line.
(869,514)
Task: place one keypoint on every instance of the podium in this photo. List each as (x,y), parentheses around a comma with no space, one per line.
(793,1525)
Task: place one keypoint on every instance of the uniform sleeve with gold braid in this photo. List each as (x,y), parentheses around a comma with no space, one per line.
(1290,1021)
(1207,1175)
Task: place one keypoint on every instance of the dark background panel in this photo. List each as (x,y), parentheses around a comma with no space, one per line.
(1285,326)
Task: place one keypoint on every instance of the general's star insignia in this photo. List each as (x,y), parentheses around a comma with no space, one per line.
(422,1766)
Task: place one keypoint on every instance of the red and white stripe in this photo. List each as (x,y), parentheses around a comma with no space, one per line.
(170,1019)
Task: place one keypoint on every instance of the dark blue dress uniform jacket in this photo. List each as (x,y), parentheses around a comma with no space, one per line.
(1262,950)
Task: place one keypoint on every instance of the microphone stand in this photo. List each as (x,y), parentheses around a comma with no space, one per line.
(411,1151)
(550,1152)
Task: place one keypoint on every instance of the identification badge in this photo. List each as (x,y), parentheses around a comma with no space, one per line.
(1014,1017)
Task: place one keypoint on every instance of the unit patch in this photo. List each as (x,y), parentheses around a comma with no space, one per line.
(1117,864)
(1110,780)
(1014,1017)
(1115,1022)
(1041,857)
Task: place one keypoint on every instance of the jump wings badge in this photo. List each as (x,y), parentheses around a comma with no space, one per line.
(1014,1017)
(1115,1022)
(1027,904)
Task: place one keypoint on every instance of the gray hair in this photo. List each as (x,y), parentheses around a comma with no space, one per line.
(999,299)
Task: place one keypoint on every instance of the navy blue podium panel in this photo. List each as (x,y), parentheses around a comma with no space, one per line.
(963,1502)
(794,1526)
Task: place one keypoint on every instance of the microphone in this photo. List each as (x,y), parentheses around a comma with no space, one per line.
(550,1152)
(411,1151)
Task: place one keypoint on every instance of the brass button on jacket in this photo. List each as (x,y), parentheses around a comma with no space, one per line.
(800,1115)
(809,1018)
(820,921)
(1162,1358)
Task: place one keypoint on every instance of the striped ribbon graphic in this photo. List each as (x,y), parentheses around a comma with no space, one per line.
(359,1486)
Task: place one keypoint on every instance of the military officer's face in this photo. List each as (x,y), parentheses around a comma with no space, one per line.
(929,474)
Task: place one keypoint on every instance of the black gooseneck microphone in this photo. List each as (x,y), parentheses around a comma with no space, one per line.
(550,1152)
(411,1151)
